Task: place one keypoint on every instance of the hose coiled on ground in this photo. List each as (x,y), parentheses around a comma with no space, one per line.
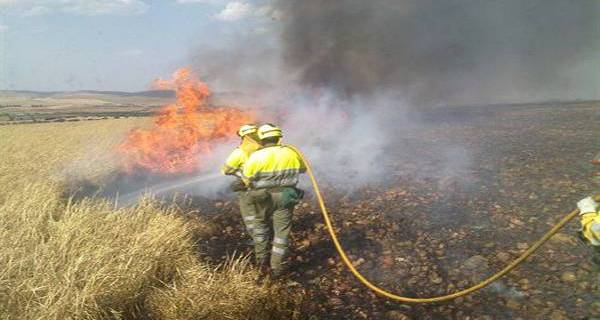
(447,297)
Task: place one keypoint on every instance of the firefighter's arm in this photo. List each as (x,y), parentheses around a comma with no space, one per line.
(590,220)
(227,170)
(232,163)
(302,165)
(590,227)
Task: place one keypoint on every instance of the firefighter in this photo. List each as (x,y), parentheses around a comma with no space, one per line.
(590,221)
(271,173)
(590,218)
(234,165)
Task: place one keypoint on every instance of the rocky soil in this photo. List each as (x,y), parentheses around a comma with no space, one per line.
(434,226)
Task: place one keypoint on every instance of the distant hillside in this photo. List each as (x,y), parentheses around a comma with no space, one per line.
(148,93)
(84,99)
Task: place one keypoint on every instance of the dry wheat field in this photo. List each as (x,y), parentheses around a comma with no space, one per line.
(86,259)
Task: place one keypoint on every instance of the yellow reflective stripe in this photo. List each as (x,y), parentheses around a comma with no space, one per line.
(280,173)
(269,183)
(283,178)
(278,251)
(279,240)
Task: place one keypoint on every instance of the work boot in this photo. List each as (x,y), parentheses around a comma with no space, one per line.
(277,274)
(263,269)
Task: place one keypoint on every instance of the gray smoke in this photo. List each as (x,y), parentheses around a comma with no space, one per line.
(446,52)
(347,79)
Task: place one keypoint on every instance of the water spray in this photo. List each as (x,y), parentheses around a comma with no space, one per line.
(160,188)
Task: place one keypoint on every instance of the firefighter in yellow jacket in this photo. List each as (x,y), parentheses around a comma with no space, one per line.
(590,219)
(271,173)
(234,166)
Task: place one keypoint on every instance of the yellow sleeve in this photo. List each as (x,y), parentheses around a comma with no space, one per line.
(301,164)
(588,218)
(234,162)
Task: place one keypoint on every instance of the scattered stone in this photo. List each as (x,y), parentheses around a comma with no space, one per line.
(584,285)
(336,302)
(476,262)
(314,280)
(304,244)
(516,221)
(596,307)
(513,304)
(387,261)
(358,262)
(561,238)
(435,278)
(533,196)
(558,315)
(568,276)
(504,256)
(413,281)
(396,315)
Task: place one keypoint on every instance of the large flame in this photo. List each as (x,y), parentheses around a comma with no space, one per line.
(183,132)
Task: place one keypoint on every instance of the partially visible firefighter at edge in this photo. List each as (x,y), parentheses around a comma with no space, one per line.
(234,166)
(271,174)
(590,218)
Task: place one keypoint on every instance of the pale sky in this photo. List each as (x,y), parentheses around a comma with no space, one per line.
(237,45)
(52,45)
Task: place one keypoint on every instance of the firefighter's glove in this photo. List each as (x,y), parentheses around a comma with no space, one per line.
(587,205)
(237,185)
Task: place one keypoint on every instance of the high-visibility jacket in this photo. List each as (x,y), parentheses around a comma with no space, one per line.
(590,227)
(273,166)
(235,161)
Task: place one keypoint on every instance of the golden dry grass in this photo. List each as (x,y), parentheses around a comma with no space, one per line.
(88,260)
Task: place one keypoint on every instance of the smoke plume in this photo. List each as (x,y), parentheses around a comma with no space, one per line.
(446,52)
(347,79)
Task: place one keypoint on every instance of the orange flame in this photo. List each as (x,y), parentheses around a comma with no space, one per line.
(183,131)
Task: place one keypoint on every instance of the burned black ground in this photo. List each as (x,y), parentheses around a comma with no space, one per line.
(431,227)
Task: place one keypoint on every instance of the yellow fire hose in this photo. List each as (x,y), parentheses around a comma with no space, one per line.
(447,297)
